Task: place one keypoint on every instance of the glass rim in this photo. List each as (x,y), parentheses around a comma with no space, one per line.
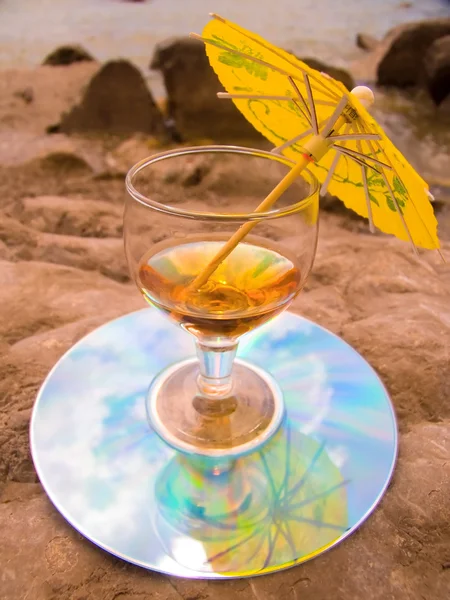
(216,216)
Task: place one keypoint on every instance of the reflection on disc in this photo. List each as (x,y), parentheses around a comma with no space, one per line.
(127,491)
(270,509)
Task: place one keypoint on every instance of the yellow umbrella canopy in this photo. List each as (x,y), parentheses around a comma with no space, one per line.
(311,117)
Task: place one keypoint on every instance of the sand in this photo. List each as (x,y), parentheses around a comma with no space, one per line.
(63,273)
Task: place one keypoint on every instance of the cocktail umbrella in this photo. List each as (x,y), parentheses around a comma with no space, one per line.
(315,121)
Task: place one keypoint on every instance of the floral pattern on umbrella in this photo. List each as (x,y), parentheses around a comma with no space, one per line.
(291,103)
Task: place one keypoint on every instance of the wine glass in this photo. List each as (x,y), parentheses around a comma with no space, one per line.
(182,207)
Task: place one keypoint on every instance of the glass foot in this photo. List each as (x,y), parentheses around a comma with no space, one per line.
(218,427)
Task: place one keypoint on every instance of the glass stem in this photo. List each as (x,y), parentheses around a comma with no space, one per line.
(216,363)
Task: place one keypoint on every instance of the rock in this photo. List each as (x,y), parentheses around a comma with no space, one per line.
(40,276)
(26,94)
(67,216)
(33,100)
(365,68)
(67,55)
(334,205)
(58,153)
(365,41)
(437,69)
(37,296)
(18,238)
(444,111)
(5,254)
(67,567)
(116,101)
(371,290)
(131,151)
(340,74)
(102,254)
(402,62)
(192,86)
(64,162)
(410,517)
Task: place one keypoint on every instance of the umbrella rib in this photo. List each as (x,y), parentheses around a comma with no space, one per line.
(285,485)
(348,153)
(259,61)
(326,494)
(300,102)
(333,166)
(288,537)
(372,151)
(360,136)
(365,185)
(272,542)
(312,108)
(368,201)
(274,50)
(324,103)
(410,198)
(361,156)
(292,141)
(300,96)
(228,96)
(320,87)
(229,549)
(335,116)
(225,95)
(397,208)
(298,486)
(317,523)
(392,195)
(324,90)
(330,173)
(195,36)
(305,114)
(330,93)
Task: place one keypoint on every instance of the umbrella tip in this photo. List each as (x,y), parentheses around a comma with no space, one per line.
(364,95)
(216,16)
(430,195)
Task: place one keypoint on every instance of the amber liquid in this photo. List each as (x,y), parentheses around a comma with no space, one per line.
(252,285)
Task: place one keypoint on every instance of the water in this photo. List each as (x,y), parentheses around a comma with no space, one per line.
(326,29)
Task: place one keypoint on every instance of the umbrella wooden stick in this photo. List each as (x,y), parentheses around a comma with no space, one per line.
(315,148)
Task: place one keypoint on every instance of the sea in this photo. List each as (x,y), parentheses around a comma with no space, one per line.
(324,29)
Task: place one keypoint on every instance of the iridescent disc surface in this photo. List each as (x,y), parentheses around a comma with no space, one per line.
(124,489)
